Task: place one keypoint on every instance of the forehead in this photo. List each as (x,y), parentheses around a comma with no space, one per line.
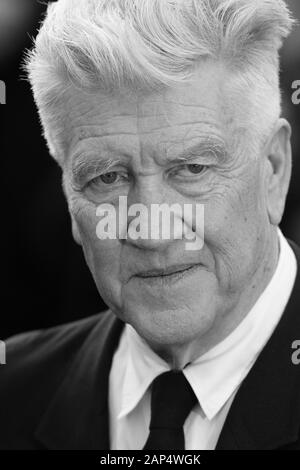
(157,122)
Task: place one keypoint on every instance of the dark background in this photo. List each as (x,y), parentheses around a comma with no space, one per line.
(45,279)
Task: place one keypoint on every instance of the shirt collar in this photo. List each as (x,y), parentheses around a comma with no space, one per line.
(216,375)
(142,366)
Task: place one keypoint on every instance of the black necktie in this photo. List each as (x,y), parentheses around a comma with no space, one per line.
(172,400)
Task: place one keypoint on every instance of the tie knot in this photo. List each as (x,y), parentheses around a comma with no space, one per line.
(172,400)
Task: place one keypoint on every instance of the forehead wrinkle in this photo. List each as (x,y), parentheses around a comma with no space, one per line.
(160,149)
(102,123)
(168,111)
(95,137)
(168,126)
(103,144)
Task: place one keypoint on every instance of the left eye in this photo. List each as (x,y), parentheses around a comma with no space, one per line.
(190,168)
(195,168)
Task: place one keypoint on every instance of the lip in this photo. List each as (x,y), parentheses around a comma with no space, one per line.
(170,274)
(166,271)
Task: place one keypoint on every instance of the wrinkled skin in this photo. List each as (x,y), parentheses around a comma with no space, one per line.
(243,193)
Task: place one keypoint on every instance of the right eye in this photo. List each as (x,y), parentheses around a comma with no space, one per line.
(109,178)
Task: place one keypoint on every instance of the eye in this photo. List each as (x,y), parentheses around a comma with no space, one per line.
(189,169)
(109,178)
(195,168)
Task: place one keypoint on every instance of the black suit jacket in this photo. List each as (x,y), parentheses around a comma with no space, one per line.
(54,388)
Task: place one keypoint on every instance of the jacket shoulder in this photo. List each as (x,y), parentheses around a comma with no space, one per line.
(36,364)
(43,348)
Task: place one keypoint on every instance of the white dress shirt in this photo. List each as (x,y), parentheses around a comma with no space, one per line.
(215,376)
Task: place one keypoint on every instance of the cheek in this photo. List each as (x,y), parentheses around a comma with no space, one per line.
(237,209)
(234,225)
(102,256)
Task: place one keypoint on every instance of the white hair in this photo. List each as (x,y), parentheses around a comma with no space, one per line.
(112,45)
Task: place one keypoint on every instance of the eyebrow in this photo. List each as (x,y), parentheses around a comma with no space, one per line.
(84,169)
(209,146)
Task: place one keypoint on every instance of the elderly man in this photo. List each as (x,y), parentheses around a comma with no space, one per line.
(166,102)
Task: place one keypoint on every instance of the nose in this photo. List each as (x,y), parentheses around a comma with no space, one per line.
(150,224)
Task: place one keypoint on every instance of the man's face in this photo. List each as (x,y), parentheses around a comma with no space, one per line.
(143,138)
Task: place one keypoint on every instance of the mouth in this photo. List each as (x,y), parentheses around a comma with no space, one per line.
(168,275)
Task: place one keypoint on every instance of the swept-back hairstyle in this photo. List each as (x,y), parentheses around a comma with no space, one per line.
(112,45)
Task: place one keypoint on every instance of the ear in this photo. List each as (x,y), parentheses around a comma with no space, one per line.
(75,231)
(279,166)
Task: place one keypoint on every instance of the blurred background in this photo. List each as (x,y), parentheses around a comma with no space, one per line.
(46,281)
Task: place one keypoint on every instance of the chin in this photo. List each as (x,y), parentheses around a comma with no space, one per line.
(167,327)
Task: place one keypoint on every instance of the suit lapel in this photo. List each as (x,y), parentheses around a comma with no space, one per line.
(265,413)
(77,417)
